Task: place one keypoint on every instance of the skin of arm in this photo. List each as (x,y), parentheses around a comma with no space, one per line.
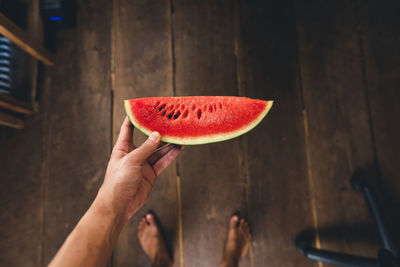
(129,178)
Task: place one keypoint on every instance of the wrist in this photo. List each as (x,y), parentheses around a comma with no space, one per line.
(103,208)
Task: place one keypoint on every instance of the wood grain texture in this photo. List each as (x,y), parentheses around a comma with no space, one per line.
(339,139)
(213,182)
(21,154)
(79,131)
(380,26)
(279,199)
(325,65)
(142,67)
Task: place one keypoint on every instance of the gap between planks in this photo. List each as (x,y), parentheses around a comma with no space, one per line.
(245,166)
(112,69)
(307,150)
(180,226)
(112,86)
(178,178)
(360,40)
(243,141)
(311,184)
(44,172)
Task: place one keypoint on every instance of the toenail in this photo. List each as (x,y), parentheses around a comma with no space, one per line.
(149,216)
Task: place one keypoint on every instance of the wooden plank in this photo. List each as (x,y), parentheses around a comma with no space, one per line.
(16,35)
(35,28)
(380,41)
(279,197)
(142,64)
(11,120)
(10,103)
(213,182)
(21,157)
(339,140)
(79,130)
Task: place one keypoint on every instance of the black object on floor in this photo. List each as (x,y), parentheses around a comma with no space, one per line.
(389,253)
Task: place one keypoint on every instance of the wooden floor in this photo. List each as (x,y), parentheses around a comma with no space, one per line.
(332,68)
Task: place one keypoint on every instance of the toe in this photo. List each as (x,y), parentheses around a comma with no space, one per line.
(141,224)
(242,221)
(247,230)
(150,219)
(234,221)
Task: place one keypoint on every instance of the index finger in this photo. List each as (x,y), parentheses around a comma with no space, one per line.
(166,159)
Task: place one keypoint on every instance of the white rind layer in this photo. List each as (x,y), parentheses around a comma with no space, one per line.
(201,139)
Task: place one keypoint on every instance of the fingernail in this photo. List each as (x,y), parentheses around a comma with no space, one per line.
(155,136)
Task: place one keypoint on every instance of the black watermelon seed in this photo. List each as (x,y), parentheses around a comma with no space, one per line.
(177,115)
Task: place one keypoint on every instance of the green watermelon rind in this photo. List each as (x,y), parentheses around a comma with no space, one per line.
(201,139)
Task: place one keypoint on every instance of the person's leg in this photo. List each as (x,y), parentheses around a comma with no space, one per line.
(237,243)
(152,242)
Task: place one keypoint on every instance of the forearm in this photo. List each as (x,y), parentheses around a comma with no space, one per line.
(93,239)
(129,178)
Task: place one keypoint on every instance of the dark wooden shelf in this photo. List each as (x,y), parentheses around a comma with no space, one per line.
(20,38)
(11,103)
(28,37)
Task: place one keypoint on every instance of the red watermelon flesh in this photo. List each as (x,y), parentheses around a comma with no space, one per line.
(196,119)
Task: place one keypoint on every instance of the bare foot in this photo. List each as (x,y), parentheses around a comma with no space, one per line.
(152,242)
(237,243)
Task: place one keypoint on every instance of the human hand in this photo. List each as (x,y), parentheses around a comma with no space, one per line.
(131,172)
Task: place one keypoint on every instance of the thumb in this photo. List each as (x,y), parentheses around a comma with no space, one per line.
(147,148)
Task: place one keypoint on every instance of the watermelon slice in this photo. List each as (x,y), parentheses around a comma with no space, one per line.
(196,120)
